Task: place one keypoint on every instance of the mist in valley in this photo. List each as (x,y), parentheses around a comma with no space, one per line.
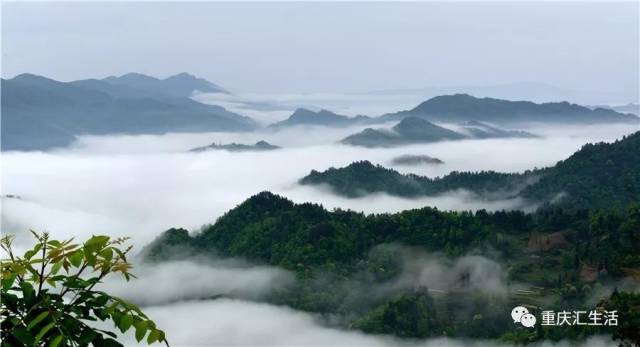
(117,184)
(231,322)
(139,186)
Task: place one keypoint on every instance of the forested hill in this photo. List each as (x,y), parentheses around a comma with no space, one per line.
(601,175)
(348,265)
(332,253)
(464,107)
(597,176)
(362,178)
(271,229)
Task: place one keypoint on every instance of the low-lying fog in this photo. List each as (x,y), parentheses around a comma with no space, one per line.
(141,185)
(174,295)
(228,322)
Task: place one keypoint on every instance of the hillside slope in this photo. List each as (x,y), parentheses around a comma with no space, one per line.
(599,175)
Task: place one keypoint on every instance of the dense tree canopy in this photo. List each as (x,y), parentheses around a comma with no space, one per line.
(597,176)
(337,257)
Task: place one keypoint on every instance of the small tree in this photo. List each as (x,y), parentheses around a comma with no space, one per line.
(48,296)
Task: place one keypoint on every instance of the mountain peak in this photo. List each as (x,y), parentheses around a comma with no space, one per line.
(133,76)
(182,75)
(303,116)
(29,77)
(265,201)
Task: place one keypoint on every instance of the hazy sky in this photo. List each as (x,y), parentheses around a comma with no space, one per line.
(304,47)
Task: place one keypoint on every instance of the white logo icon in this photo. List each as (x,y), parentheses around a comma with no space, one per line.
(528,320)
(521,315)
(517,313)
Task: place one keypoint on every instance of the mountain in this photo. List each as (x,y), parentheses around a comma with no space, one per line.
(39,113)
(362,178)
(480,130)
(237,147)
(410,159)
(180,85)
(421,272)
(464,107)
(532,91)
(409,130)
(599,175)
(413,130)
(326,118)
(633,108)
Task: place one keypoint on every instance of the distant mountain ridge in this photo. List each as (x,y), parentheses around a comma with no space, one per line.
(458,108)
(464,107)
(39,113)
(303,116)
(601,175)
(180,85)
(238,147)
(633,108)
(414,130)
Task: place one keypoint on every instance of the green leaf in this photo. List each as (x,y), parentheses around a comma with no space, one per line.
(141,330)
(54,243)
(56,267)
(27,289)
(97,239)
(96,242)
(125,322)
(37,320)
(76,258)
(91,258)
(7,281)
(43,331)
(86,336)
(153,336)
(21,334)
(56,341)
(107,254)
(101,300)
(30,253)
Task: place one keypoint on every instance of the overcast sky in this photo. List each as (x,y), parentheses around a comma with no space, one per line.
(310,47)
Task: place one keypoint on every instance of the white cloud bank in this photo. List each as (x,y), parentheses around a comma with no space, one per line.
(228,322)
(141,185)
(196,279)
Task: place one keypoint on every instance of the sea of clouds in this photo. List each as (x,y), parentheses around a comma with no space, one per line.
(139,186)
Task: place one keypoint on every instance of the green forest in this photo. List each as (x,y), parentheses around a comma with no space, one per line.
(601,175)
(558,258)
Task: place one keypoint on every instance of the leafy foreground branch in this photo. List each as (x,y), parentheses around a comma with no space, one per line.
(48,296)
